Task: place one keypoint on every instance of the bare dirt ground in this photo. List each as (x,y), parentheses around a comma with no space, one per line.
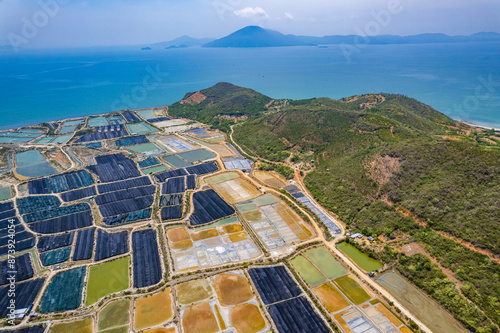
(376,99)
(84,154)
(195,98)
(451,137)
(382,168)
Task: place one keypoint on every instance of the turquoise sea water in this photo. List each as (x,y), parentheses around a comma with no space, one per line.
(461,80)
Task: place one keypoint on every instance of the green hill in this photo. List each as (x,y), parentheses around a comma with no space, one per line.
(254,36)
(390,150)
(221,103)
(365,156)
(372,146)
(369,152)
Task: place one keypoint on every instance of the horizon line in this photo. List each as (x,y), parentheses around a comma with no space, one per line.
(8,46)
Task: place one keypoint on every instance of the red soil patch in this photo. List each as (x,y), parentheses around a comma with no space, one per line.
(195,98)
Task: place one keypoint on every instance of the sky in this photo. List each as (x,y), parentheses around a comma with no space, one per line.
(77,23)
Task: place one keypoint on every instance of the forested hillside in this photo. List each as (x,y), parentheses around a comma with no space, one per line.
(392,151)
(219,104)
(389,166)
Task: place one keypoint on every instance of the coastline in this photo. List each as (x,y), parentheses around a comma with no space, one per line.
(478,126)
(76,91)
(78,118)
(463,122)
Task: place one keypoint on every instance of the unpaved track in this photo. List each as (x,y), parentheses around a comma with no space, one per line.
(81,313)
(347,261)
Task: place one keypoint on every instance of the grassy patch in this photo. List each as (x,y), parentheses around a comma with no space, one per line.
(352,289)
(362,260)
(107,278)
(323,259)
(307,271)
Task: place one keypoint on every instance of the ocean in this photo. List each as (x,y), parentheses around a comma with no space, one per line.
(461,80)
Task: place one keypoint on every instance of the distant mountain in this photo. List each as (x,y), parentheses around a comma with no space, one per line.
(183,41)
(254,36)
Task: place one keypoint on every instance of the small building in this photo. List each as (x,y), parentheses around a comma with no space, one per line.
(356,235)
(371,239)
(20,313)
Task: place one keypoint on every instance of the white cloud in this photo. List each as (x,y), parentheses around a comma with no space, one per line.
(251,12)
(289,16)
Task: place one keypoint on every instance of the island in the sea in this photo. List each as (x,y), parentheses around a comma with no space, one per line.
(256,36)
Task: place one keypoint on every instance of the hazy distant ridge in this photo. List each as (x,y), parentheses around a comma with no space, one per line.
(185,40)
(254,36)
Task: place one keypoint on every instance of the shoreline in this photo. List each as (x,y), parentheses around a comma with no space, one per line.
(478,126)
(463,122)
(78,118)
